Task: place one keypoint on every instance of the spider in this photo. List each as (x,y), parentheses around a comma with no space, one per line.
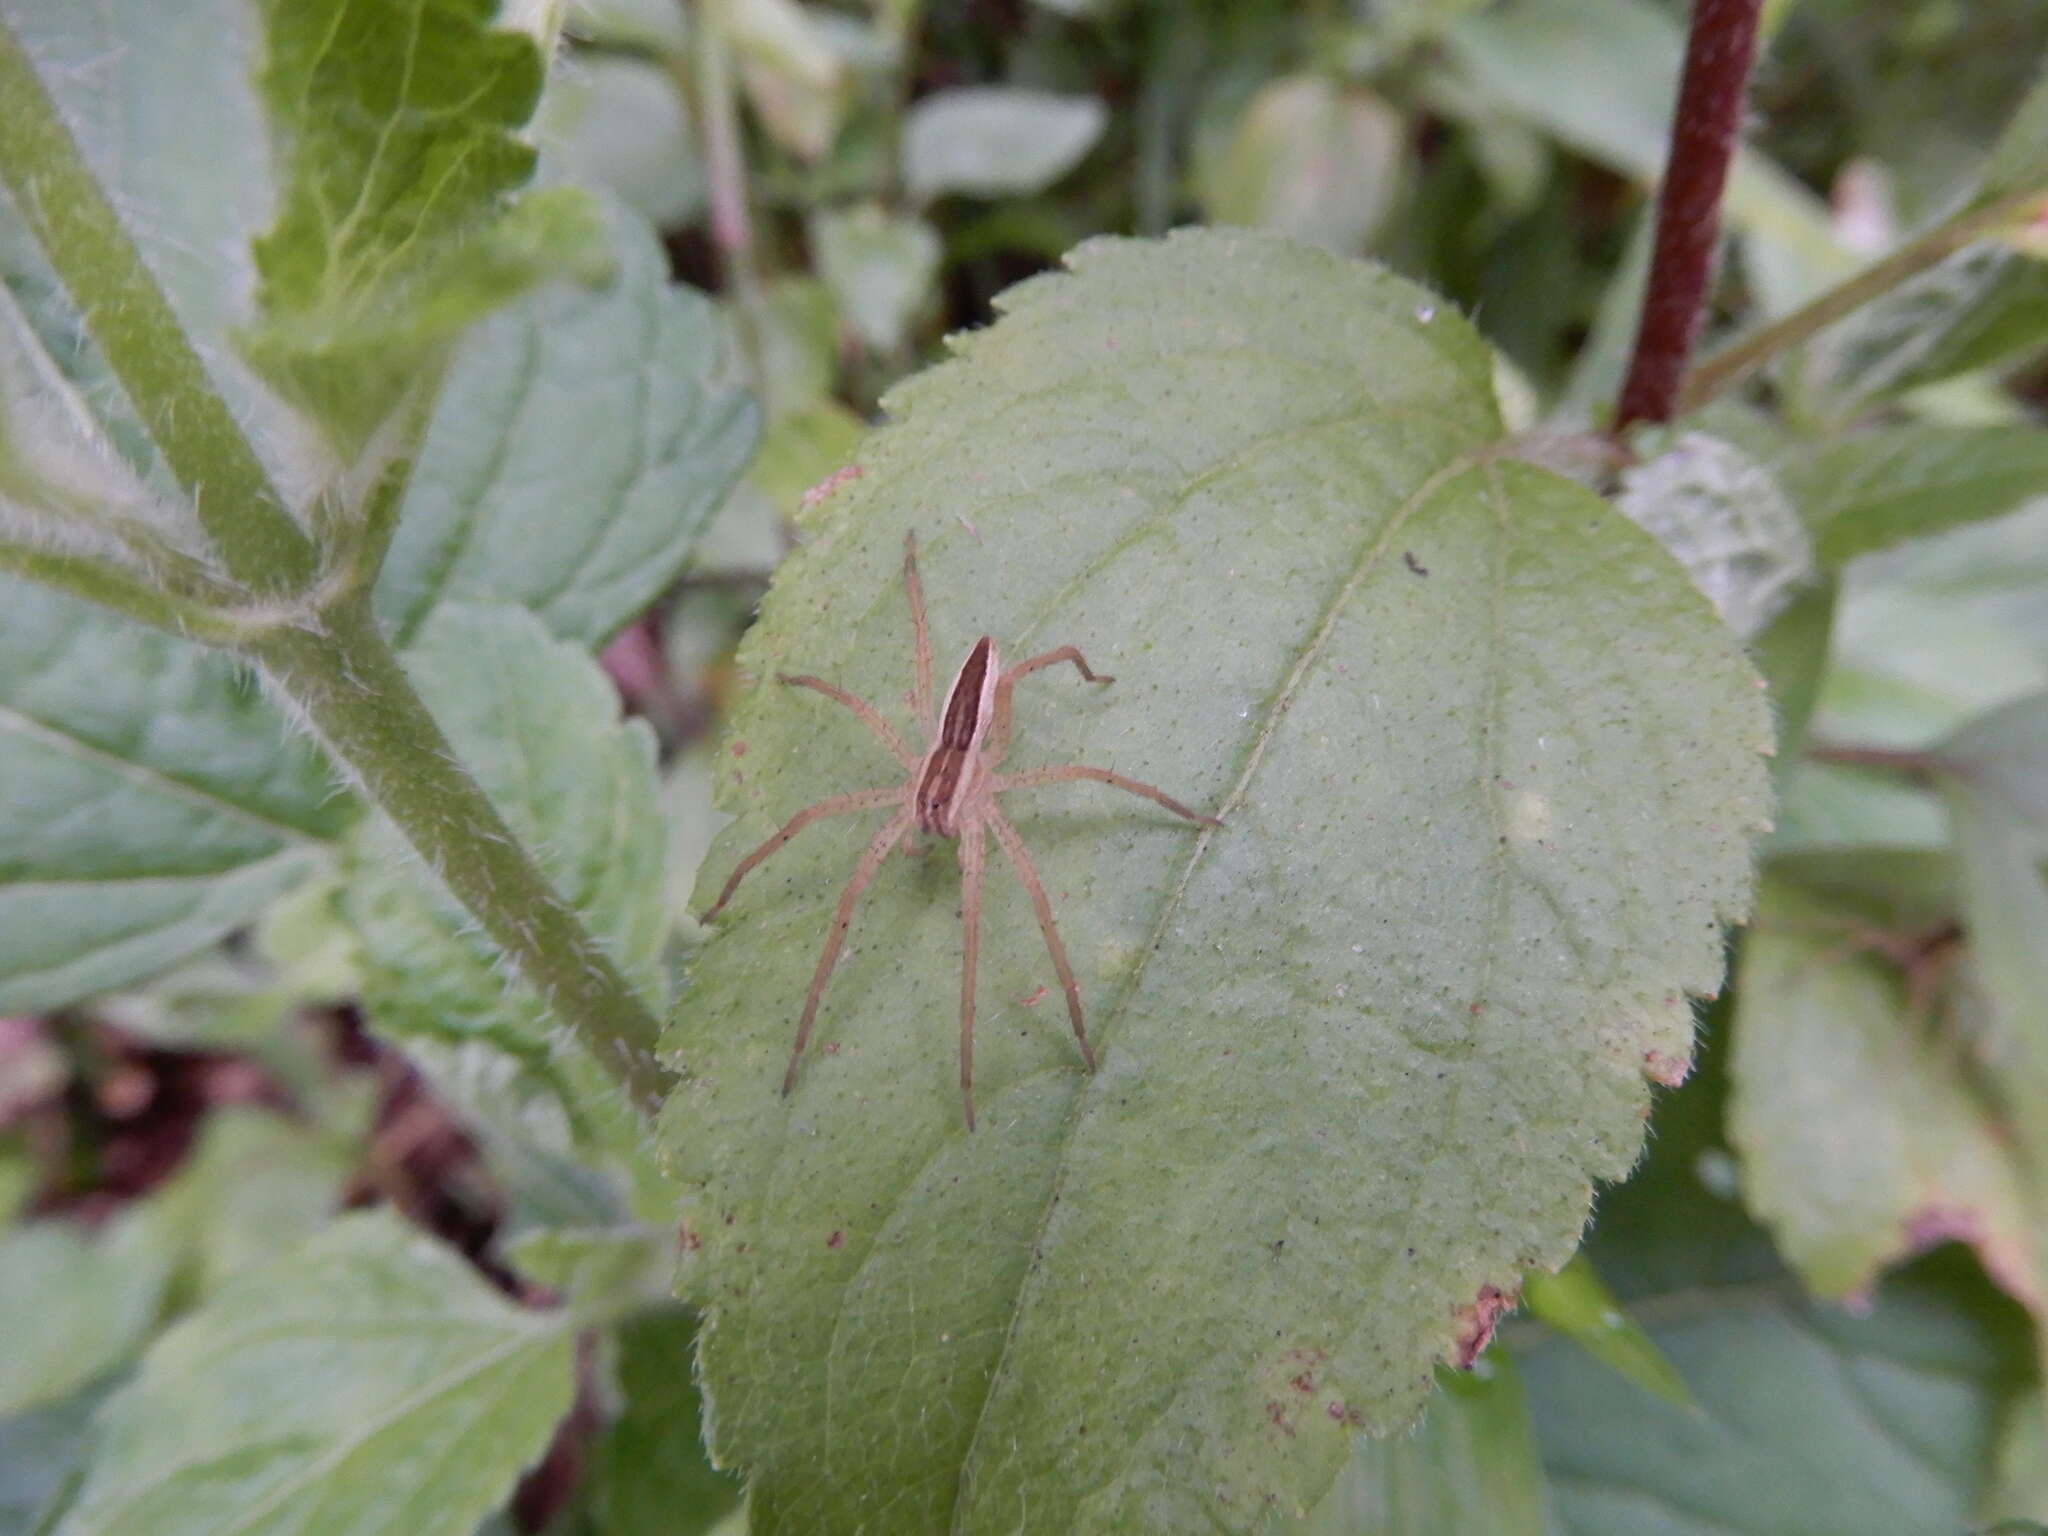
(951,792)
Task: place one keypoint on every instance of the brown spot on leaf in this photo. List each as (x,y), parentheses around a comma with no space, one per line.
(835,1240)
(1661,1067)
(829,484)
(1476,1322)
(688,1240)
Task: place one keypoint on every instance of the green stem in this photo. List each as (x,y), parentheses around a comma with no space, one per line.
(61,201)
(1738,360)
(346,679)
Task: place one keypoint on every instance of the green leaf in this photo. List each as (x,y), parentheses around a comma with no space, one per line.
(1576,1302)
(1862,1141)
(1986,306)
(619,122)
(880,268)
(648,1475)
(2005,753)
(2018,162)
(1811,1419)
(1469,1466)
(368,1381)
(603,1272)
(1364,1049)
(537,723)
(78,1304)
(1310,158)
(995,141)
(578,447)
(1869,492)
(1792,654)
(40,1454)
(157,93)
(255,1185)
(154,800)
(396,126)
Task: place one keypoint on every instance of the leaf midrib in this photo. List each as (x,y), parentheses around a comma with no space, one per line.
(154,780)
(1276,711)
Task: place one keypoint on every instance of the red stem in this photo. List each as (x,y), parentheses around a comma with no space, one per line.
(1704,129)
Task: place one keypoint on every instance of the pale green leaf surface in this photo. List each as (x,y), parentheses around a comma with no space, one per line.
(76,1304)
(619,122)
(1871,491)
(366,1382)
(39,1454)
(537,723)
(1811,1419)
(255,1185)
(648,1474)
(2005,753)
(2018,162)
(1365,1048)
(154,800)
(1985,306)
(2005,910)
(579,445)
(157,95)
(879,266)
(397,131)
(603,1272)
(995,141)
(1576,1302)
(1469,1466)
(1311,158)
(1861,1140)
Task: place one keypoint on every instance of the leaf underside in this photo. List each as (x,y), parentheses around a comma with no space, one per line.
(1490,770)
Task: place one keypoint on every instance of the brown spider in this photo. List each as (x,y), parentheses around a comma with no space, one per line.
(951,792)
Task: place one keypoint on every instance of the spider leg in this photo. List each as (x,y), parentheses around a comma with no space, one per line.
(970,948)
(838,805)
(863,872)
(1027,874)
(999,733)
(861,708)
(920,637)
(1031,778)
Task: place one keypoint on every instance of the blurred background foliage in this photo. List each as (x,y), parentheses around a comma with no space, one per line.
(1816,1307)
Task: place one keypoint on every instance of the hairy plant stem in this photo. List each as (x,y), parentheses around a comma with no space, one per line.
(1704,129)
(61,201)
(296,605)
(347,680)
(1738,360)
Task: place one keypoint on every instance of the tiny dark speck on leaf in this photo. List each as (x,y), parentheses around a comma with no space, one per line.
(835,1239)
(1408,559)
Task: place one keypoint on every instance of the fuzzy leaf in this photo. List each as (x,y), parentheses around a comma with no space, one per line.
(1861,1140)
(1811,1419)
(879,266)
(1490,768)
(369,1381)
(78,1304)
(1872,491)
(153,800)
(397,132)
(579,445)
(996,141)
